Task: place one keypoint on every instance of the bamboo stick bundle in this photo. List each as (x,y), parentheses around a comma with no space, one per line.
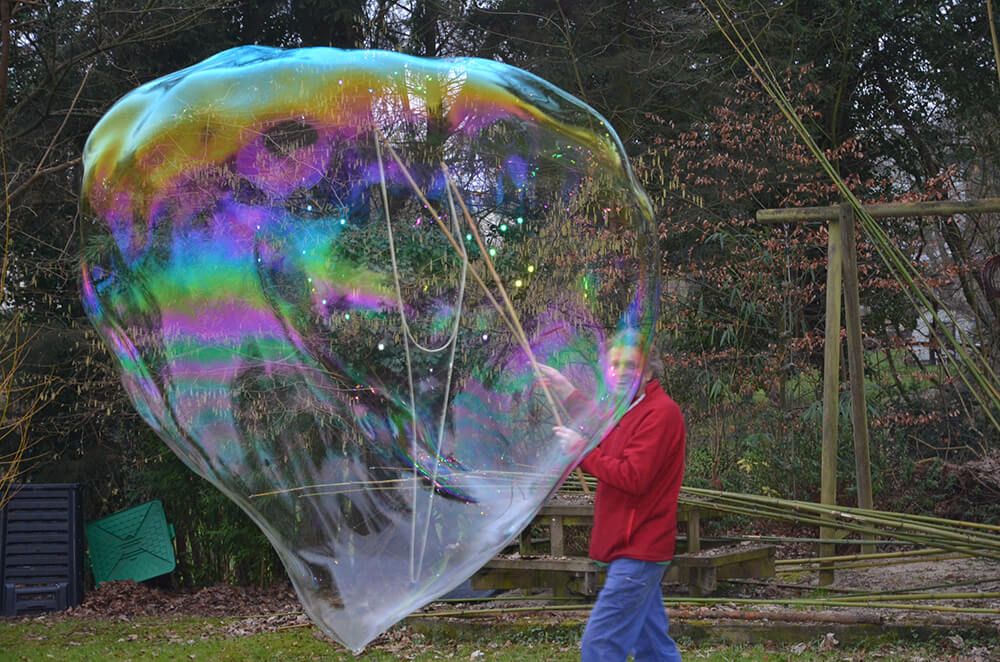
(948,535)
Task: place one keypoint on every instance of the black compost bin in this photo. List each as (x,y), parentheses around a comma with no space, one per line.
(41,549)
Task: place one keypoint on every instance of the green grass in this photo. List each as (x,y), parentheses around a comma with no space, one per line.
(182,638)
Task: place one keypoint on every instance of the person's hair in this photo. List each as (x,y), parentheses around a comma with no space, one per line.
(652,360)
(654,363)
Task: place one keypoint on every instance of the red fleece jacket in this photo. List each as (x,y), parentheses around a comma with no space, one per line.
(639,468)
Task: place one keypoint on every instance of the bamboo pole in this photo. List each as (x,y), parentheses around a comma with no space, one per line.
(921,596)
(867,565)
(801,539)
(831,388)
(859,557)
(686,601)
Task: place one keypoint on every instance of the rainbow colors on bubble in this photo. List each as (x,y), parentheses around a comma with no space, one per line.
(329,277)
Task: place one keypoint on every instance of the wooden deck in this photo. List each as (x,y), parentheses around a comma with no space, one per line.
(574,573)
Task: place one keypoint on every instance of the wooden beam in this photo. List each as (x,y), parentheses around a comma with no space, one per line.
(884,210)
(798,214)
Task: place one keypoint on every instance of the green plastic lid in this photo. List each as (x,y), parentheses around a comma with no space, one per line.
(133,544)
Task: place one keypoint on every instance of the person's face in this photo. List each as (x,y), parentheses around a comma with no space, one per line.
(624,363)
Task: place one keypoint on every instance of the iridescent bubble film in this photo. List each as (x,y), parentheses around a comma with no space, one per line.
(329,278)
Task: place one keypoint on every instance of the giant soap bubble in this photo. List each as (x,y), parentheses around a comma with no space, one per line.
(329,278)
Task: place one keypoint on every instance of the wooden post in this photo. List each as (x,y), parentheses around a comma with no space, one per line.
(856,365)
(557,536)
(694,531)
(831,388)
(526,548)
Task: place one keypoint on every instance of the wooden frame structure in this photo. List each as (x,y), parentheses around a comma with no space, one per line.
(842,249)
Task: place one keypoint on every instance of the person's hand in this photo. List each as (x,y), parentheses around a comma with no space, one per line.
(569,440)
(555,381)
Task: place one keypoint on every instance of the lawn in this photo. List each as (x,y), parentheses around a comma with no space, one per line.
(212,639)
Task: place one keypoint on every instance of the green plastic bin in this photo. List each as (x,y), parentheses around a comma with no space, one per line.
(134,544)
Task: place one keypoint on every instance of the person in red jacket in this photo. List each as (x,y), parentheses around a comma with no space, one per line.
(639,468)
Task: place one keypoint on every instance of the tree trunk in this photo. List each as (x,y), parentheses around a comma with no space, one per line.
(4,52)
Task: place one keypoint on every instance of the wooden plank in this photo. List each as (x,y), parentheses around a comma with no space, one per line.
(570,564)
(717,560)
(577,521)
(586,510)
(525,578)
(567,509)
(583,564)
(760,565)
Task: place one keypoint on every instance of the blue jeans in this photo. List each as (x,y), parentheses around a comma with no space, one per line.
(629,617)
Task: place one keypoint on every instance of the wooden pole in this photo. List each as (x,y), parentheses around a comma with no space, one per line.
(831,391)
(856,364)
